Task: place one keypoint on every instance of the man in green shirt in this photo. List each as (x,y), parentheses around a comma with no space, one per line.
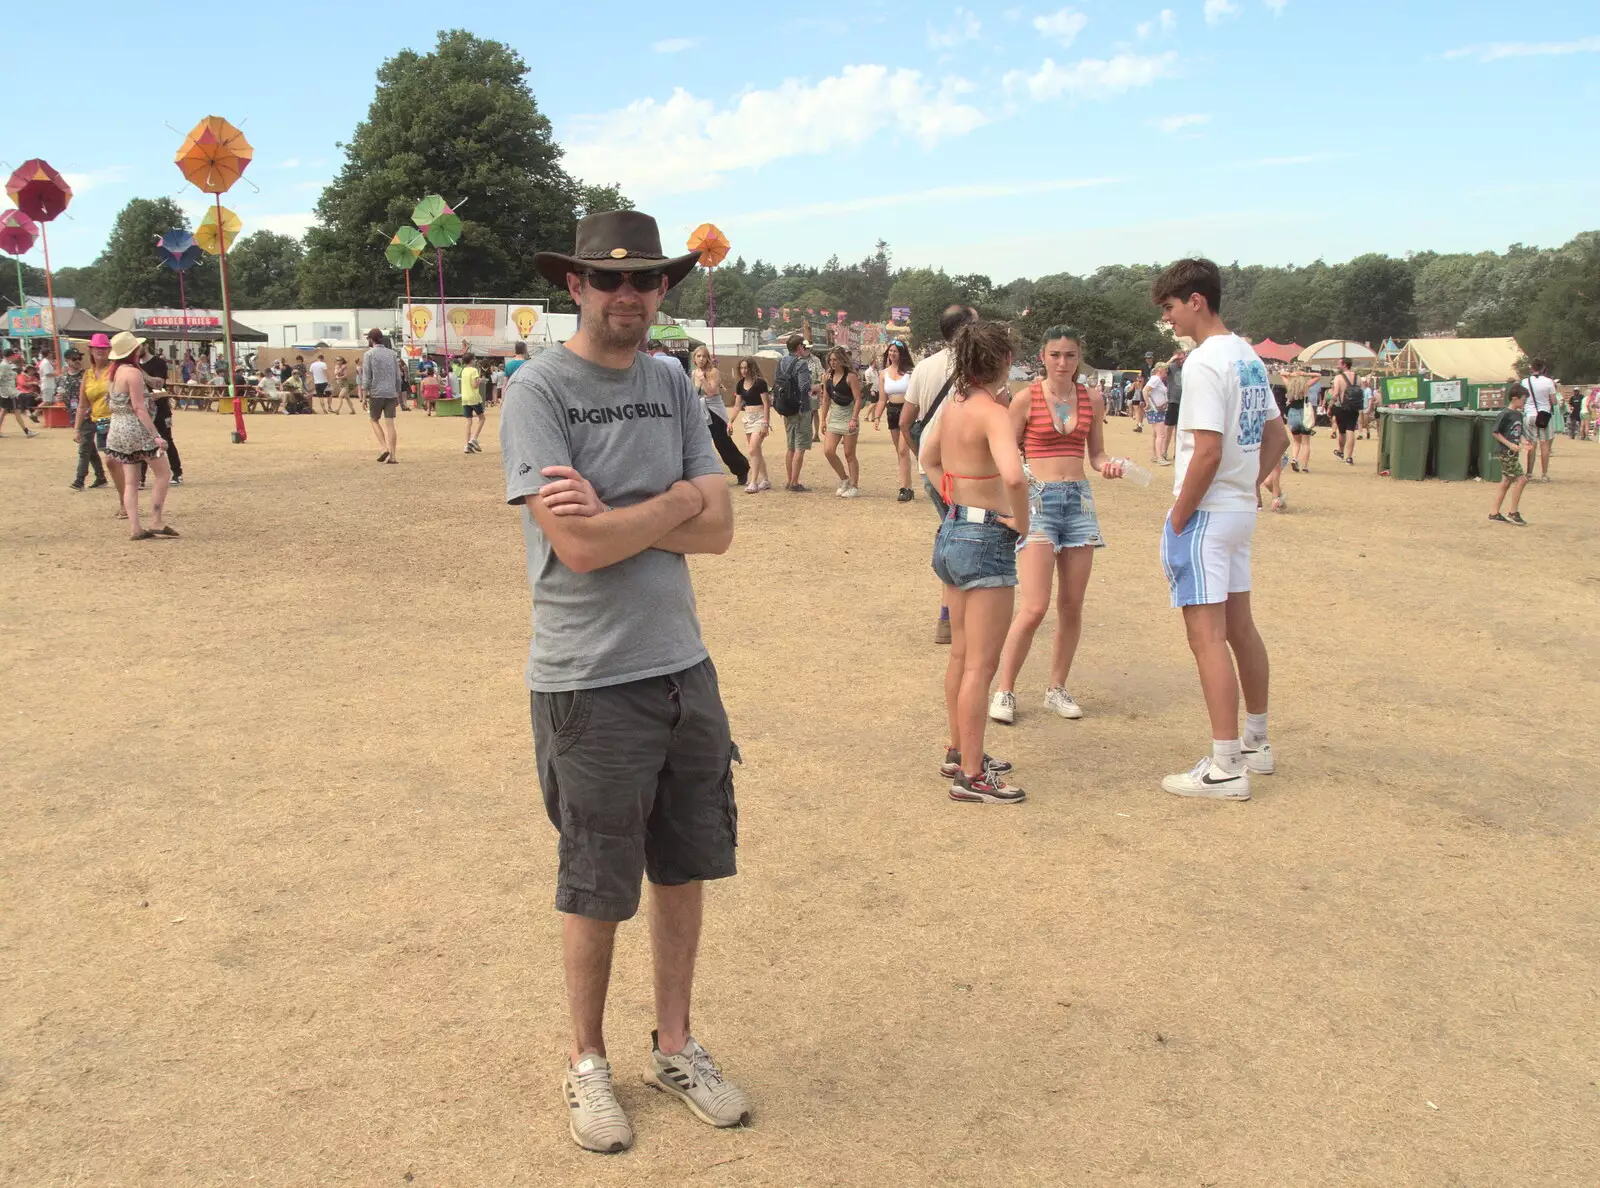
(471,403)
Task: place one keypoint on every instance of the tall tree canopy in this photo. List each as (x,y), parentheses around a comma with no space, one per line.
(129,272)
(460,122)
(264,271)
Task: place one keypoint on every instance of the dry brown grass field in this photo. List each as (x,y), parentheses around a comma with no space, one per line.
(277,879)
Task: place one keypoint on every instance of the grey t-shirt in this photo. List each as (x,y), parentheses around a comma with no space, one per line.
(632,434)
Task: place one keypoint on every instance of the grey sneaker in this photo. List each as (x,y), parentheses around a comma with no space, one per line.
(597,1121)
(695,1078)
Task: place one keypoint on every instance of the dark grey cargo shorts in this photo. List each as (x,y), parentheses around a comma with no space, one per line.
(638,779)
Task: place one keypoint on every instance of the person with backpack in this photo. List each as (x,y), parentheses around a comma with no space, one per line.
(1348,401)
(791,400)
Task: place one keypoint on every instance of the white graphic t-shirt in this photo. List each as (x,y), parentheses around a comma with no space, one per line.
(1225,390)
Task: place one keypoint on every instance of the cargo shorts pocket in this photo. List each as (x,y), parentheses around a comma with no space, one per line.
(569,716)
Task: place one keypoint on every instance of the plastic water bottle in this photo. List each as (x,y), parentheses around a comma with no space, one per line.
(1134,473)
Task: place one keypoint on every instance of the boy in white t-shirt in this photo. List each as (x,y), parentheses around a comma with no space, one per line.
(1230,438)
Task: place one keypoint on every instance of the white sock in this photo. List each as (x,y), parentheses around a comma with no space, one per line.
(1228,755)
(1255,729)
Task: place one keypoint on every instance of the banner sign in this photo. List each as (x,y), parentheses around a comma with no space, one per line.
(1400,389)
(1444,392)
(900,316)
(33,321)
(176,321)
(476,323)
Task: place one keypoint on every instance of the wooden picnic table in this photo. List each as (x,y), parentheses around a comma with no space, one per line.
(206,396)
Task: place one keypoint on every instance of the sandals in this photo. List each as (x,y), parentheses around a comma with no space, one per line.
(383,457)
(143,534)
(166,530)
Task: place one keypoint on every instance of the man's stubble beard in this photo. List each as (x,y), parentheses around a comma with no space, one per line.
(618,338)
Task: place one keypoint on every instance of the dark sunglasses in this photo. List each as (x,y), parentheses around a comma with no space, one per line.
(647,281)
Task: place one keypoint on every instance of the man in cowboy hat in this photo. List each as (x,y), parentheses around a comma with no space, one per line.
(608,454)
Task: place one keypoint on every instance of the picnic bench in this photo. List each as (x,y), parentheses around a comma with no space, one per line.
(207,397)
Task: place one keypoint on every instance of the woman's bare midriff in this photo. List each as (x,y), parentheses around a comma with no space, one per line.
(1057,470)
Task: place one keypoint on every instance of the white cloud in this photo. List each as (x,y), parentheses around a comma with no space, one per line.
(1063,26)
(311,185)
(1092,78)
(294,224)
(1178,123)
(915,197)
(1277,6)
(91,179)
(1168,21)
(1012,14)
(1217,9)
(685,143)
(289,163)
(964,27)
(675,45)
(1526,49)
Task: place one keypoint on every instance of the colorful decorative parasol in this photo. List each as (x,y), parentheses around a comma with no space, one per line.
(217,230)
(41,193)
(38,190)
(404,249)
(711,243)
(213,156)
(17,233)
(179,252)
(713,246)
(442,227)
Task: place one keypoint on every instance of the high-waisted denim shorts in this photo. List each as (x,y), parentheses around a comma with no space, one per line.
(1063,515)
(973,555)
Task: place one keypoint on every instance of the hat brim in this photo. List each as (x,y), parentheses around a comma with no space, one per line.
(137,343)
(554,266)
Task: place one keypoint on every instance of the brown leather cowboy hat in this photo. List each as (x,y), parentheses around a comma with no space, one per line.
(616,241)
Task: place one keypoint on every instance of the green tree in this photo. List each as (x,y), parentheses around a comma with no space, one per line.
(1118,327)
(1376,299)
(1563,321)
(129,272)
(736,305)
(263,271)
(460,122)
(929,293)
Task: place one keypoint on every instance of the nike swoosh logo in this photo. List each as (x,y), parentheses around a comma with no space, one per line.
(1206,779)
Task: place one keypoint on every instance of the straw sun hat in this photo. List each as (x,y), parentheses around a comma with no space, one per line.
(124,344)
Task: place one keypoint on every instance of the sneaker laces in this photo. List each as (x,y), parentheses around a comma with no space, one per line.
(705,1068)
(594,1085)
(1200,769)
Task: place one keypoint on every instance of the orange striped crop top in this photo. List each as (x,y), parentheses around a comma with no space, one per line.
(1040,439)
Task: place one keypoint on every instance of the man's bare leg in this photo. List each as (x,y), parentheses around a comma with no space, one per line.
(675,914)
(389,438)
(1249,652)
(1207,628)
(586,947)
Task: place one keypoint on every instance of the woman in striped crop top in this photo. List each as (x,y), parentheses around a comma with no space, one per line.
(1059,423)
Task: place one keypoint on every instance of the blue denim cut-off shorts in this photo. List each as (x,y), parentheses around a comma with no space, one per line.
(974,556)
(1063,515)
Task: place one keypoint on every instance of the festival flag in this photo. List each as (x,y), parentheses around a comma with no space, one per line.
(811,311)
(842,316)
(772,312)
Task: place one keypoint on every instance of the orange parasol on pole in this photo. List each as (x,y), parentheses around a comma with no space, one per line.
(713,246)
(41,193)
(213,156)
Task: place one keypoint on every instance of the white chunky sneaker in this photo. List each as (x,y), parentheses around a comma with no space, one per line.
(597,1121)
(850,493)
(693,1077)
(1259,758)
(1003,707)
(1209,780)
(1057,698)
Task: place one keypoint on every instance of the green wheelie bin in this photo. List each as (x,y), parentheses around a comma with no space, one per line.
(1410,443)
(1485,449)
(1452,447)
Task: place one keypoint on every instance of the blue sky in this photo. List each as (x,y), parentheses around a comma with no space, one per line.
(1003,139)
